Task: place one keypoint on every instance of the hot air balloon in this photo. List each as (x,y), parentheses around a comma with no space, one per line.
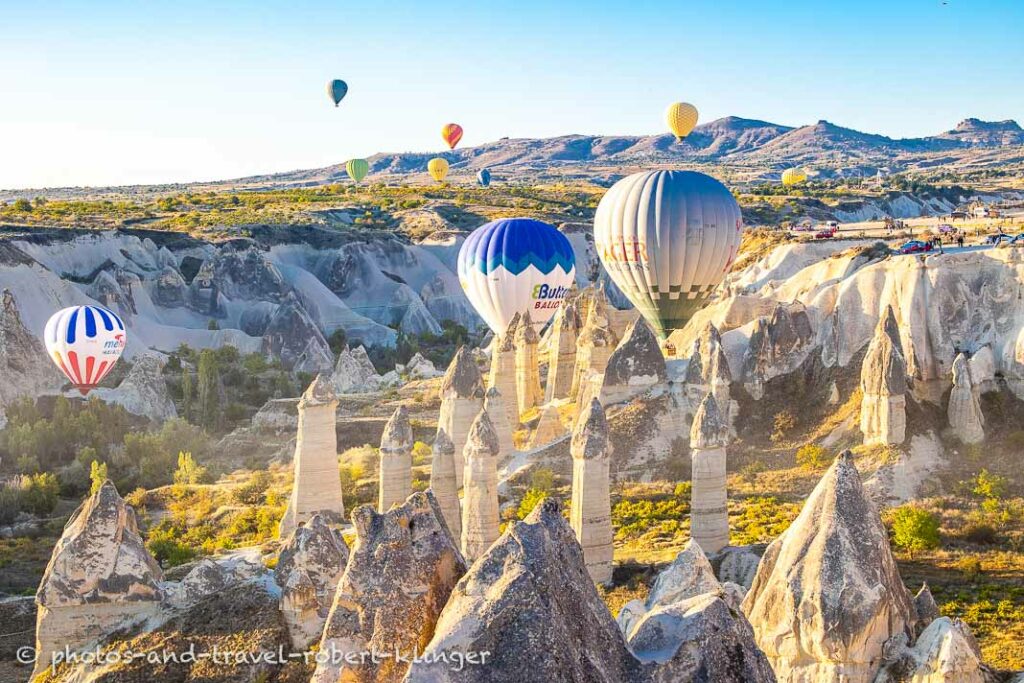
(438,168)
(357,169)
(793,176)
(451,133)
(515,265)
(667,238)
(336,90)
(681,118)
(483,177)
(84,342)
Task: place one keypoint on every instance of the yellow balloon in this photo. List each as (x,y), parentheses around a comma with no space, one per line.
(681,118)
(793,176)
(438,168)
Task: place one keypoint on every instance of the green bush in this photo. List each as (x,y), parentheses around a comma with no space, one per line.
(812,457)
(253,491)
(914,529)
(782,424)
(530,500)
(542,479)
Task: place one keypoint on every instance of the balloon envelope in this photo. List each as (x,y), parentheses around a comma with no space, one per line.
(516,265)
(667,238)
(484,177)
(793,176)
(438,168)
(336,90)
(84,342)
(451,133)
(681,117)
(357,169)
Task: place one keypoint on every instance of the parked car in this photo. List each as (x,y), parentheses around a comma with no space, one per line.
(946,228)
(916,247)
(825,233)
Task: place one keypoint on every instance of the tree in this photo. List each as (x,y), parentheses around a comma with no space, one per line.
(209,390)
(189,471)
(39,493)
(914,529)
(811,456)
(186,394)
(23,205)
(97,475)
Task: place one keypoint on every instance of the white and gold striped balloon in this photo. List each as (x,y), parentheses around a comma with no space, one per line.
(667,239)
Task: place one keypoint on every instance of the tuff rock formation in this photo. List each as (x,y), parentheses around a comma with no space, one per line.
(480,518)
(883,381)
(591,509)
(530,610)
(708,372)
(777,346)
(317,487)
(462,394)
(562,351)
(549,427)
(594,345)
(309,567)
(925,609)
(354,373)
(403,568)
(143,391)
(395,461)
(827,597)
(419,367)
(528,391)
(24,363)
(292,336)
(205,578)
(709,513)
(946,652)
(442,482)
(701,638)
(964,411)
(636,365)
(100,578)
(503,370)
(494,406)
(689,575)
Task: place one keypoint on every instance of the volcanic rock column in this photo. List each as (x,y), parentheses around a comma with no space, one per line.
(883,381)
(395,461)
(591,502)
(494,404)
(594,346)
(442,482)
(480,521)
(965,416)
(503,369)
(317,487)
(100,578)
(636,365)
(562,352)
(462,394)
(528,392)
(709,514)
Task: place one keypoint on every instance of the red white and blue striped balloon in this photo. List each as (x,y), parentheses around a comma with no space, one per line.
(84,342)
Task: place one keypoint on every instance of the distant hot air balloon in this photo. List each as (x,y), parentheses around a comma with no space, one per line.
(793,176)
(84,342)
(483,177)
(336,90)
(667,238)
(357,169)
(681,118)
(438,168)
(516,265)
(451,133)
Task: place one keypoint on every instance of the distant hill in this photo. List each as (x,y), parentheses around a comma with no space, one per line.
(749,149)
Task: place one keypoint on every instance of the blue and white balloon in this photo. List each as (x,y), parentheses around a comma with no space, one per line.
(516,265)
(483,177)
(85,343)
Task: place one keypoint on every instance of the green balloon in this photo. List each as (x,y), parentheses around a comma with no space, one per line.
(357,169)
(336,90)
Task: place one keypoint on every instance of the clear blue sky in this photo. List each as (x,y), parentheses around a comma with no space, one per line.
(102,92)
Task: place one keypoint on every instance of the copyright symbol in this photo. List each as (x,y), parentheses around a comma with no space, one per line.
(26,655)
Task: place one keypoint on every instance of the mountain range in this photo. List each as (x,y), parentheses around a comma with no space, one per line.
(756,149)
